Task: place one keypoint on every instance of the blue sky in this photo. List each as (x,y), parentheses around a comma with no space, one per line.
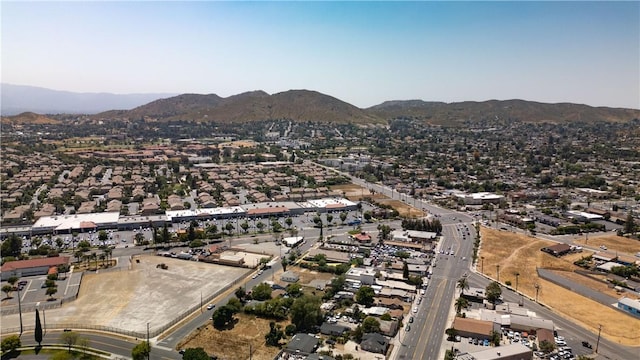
(361,52)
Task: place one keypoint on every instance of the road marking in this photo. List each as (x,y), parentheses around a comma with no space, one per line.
(428,325)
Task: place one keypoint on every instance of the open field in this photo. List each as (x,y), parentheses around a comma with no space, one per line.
(518,253)
(613,243)
(355,193)
(234,344)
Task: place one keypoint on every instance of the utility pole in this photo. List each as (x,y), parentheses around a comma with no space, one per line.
(482,264)
(598,342)
(44,320)
(148,343)
(498,271)
(201,301)
(537,286)
(20,310)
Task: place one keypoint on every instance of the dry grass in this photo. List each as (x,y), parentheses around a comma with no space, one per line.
(355,192)
(233,344)
(517,253)
(613,243)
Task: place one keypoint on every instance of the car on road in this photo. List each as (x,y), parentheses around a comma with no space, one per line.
(411,319)
(587,344)
(254,276)
(211,306)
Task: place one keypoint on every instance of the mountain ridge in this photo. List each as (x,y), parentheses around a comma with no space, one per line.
(309,105)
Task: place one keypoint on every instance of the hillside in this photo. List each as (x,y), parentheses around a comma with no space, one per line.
(439,113)
(28,118)
(299,105)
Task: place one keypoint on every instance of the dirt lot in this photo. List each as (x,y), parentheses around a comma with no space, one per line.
(355,193)
(613,243)
(248,331)
(520,253)
(128,299)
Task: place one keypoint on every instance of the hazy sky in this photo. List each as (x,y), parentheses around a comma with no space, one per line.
(360,52)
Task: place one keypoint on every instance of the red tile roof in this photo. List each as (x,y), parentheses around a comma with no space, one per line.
(32,263)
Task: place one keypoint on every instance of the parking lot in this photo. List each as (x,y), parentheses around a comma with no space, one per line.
(129,299)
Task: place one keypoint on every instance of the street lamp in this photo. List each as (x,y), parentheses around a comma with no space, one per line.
(598,342)
(517,275)
(537,286)
(498,271)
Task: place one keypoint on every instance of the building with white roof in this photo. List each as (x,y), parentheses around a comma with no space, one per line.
(76,222)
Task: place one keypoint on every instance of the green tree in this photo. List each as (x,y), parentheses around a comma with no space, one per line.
(284,263)
(260,225)
(629,224)
(7,289)
(493,292)
(229,227)
(195,354)
(343,217)
(365,296)
(451,333)
(12,280)
(38,329)
(546,346)
(244,226)
(460,304)
(496,336)
(138,238)
(222,316)
(235,304)
(274,335)
(141,351)
(370,325)
(12,246)
(261,291)
(305,312)
(10,343)
(103,236)
(51,290)
(69,338)
(405,270)
(241,293)
(463,284)
(288,221)
(294,290)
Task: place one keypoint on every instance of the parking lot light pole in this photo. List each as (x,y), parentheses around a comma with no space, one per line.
(598,341)
(20,310)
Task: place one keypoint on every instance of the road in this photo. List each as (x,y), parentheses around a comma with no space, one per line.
(425,338)
(121,347)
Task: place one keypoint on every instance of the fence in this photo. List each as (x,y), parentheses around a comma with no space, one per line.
(43,305)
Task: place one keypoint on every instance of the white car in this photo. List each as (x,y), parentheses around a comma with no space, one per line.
(211,306)
(415,309)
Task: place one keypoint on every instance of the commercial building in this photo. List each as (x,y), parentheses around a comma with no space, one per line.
(31,267)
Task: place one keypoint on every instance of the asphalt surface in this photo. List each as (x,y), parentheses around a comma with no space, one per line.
(578,288)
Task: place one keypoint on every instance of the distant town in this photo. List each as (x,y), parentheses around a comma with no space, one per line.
(494,238)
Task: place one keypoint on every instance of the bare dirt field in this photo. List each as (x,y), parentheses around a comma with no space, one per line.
(517,253)
(612,242)
(355,193)
(128,299)
(247,333)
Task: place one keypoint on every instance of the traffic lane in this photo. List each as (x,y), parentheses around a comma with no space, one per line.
(566,326)
(111,344)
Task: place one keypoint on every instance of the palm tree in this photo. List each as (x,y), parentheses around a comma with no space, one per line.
(461,303)
(463,284)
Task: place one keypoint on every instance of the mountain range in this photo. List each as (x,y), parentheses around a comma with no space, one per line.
(306,105)
(16,99)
